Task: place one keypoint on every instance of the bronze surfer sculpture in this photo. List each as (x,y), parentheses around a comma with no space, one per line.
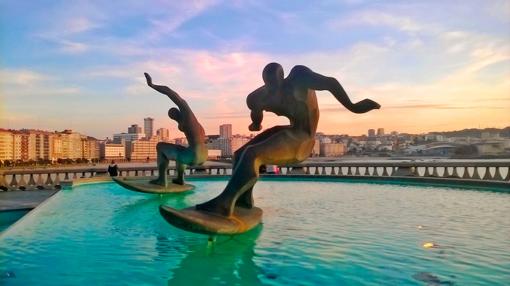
(293,97)
(194,154)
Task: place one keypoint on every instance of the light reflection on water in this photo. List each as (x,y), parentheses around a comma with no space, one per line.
(314,232)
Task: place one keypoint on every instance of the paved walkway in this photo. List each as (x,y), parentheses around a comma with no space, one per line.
(14,200)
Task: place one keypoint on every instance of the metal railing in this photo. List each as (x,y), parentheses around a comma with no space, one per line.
(482,171)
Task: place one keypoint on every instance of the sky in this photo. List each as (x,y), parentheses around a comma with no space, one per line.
(432,65)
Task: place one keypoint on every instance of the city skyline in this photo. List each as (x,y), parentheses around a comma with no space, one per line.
(31,146)
(80,65)
(129,130)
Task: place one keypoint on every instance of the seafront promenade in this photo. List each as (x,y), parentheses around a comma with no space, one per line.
(477,172)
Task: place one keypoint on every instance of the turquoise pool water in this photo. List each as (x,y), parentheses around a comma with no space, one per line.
(314,233)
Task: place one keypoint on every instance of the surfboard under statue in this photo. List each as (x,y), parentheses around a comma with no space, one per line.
(193,220)
(142,185)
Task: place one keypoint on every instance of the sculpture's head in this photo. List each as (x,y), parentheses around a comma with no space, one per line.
(273,76)
(174,113)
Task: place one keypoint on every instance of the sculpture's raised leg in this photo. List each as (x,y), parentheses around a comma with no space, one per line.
(162,162)
(179,180)
(282,146)
(166,152)
(246,200)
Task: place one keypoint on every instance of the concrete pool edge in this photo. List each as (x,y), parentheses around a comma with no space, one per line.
(65,185)
(30,210)
(400,180)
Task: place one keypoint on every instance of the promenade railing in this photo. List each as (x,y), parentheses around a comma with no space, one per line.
(479,171)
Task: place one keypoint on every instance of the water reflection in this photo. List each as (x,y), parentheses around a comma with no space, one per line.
(228,261)
(141,218)
(152,201)
(431,279)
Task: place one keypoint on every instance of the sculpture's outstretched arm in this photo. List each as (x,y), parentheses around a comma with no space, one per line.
(313,80)
(181,103)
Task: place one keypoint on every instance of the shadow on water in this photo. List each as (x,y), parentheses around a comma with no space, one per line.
(431,279)
(141,217)
(173,200)
(228,260)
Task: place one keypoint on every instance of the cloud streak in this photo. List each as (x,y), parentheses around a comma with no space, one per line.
(377,19)
(28,83)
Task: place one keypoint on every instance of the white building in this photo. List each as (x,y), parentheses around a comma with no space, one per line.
(325,140)
(134,128)
(148,126)
(490,135)
(434,137)
(316,151)
(439,150)
(6,145)
(126,139)
(490,147)
(163,134)
(226,130)
(213,154)
(225,146)
(144,149)
(110,151)
(122,138)
(385,147)
(237,142)
(332,149)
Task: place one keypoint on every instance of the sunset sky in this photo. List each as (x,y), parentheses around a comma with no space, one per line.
(432,65)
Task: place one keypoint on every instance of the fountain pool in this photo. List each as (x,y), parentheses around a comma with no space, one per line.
(314,231)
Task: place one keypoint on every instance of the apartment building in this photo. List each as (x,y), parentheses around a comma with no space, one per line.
(6,145)
(112,151)
(143,149)
(29,144)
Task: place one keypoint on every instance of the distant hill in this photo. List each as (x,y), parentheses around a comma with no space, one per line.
(475,132)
